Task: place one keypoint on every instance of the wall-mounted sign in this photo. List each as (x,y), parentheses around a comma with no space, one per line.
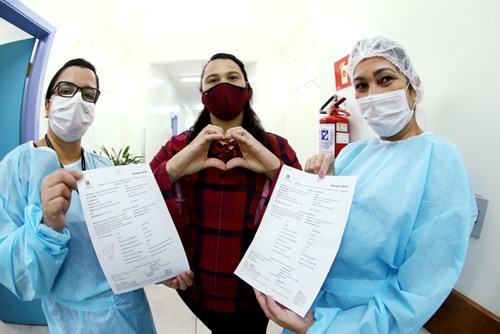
(342,80)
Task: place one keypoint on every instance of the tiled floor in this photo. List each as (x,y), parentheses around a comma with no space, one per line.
(170,314)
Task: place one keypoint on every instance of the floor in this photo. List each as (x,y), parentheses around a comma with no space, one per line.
(170,314)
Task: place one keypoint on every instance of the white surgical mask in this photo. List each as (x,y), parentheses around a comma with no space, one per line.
(386,113)
(71,117)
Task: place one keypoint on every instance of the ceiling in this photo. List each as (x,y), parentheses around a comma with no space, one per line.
(156,27)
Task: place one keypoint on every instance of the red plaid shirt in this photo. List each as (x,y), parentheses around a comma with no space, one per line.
(217,214)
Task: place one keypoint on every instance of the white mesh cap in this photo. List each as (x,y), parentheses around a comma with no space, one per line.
(379,46)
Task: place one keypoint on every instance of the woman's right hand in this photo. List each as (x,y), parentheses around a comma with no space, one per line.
(321,164)
(194,157)
(282,316)
(56,196)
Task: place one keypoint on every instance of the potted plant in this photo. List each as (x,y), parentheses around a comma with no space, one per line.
(122,157)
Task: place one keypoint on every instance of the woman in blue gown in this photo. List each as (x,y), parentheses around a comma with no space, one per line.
(412,213)
(45,247)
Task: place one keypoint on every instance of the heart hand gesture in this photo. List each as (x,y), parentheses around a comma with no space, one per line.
(194,157)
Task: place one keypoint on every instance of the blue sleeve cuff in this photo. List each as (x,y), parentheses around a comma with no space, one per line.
(51,239)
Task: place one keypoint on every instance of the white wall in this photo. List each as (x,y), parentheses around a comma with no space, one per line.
(454,47)
(122,74)
(161,103)
(301,121)
(10,33)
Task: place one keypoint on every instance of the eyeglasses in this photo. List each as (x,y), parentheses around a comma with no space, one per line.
(69,89)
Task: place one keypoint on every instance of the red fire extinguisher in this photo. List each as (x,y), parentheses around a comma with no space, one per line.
(334,128)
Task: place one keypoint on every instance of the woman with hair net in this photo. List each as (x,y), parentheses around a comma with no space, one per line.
(45,247)
(411,216)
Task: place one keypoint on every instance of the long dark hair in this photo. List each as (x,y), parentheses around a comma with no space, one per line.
(80,62)
(251,121)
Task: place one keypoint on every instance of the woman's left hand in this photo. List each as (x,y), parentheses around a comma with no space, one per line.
(182,281)
(283,316)
(256,156)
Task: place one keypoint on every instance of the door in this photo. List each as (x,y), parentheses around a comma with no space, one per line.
(14,60)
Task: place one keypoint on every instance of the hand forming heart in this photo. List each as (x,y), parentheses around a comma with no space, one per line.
(237,147)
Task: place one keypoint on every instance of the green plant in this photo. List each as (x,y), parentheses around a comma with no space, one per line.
(122,157)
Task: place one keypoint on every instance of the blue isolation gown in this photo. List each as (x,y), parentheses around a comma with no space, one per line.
(405,240)
(61,268)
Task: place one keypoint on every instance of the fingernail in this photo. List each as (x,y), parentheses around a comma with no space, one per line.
(321,174)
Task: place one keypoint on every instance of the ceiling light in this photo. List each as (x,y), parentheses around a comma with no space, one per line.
(190,79)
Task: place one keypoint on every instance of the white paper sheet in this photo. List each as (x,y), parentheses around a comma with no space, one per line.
(298,238)
(131,229)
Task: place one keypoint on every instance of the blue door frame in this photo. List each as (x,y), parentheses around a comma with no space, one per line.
(19,15)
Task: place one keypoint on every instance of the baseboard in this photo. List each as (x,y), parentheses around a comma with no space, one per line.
(461,315)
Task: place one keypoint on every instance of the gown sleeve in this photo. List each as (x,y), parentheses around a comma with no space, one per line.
(31,253)
(433,257)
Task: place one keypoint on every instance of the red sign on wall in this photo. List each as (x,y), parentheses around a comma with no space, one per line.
(342,80)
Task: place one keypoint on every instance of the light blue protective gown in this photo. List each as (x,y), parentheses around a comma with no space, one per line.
(62,268)
(405,240)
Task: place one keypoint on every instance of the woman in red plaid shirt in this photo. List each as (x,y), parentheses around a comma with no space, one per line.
(216,179)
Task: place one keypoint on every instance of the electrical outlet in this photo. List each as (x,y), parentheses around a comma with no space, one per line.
(482,204)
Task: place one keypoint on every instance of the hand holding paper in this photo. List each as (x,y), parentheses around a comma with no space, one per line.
(131,229)
(298,238)
(283,316)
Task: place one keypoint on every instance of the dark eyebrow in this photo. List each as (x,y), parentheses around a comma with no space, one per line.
(376,73)
(211,75)
(234,72)
(358,78)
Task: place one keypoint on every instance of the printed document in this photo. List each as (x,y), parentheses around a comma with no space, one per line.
(131,229)
(298,238)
